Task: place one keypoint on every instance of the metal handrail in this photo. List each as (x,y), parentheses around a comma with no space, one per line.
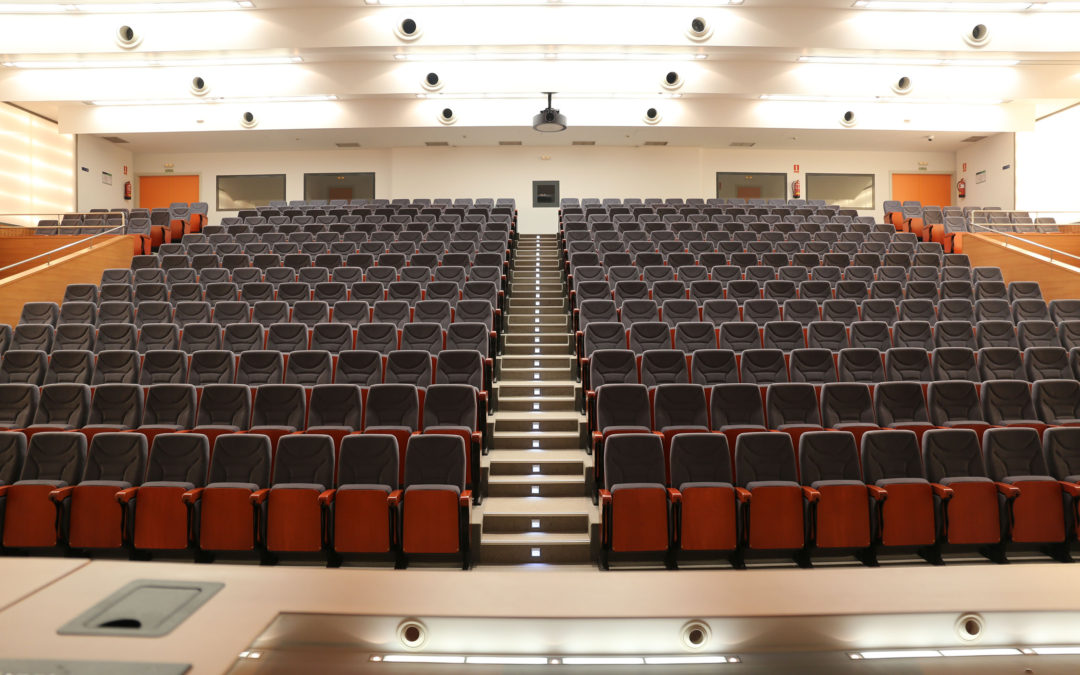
(58,216)
(1027,242)
(61,248)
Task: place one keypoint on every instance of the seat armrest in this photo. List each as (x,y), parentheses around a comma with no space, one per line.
(878,493)
(465,498)
(259,496)
(327,497)
(125,496)
(394,498)
(674,496)
(942,492)
(60,494)
(4,490)
(743,495)
(192,496)
(1010,491)
(810,494)
(605,498)
(1071,489)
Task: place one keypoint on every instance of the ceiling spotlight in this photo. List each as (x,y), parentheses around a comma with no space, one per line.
(549,119)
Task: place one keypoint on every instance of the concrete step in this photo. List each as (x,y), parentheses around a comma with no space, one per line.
(537,485)
(559,323)
(536,361)
(520,549)
(548,463)
(535,374)
(528,303)
(536,405)
(569,422)
(539,339)
(532,349)
(520,523)
(537,440)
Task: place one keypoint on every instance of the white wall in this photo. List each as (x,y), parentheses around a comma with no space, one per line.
(508,171)
(1046,166)
(991,155)
(95,156)
(36,167)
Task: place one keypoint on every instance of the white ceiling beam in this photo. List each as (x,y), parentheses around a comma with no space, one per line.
(420,114)
(813,29)
(747,79)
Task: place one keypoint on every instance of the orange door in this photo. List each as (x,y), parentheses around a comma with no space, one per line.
(929,189)
(157,192)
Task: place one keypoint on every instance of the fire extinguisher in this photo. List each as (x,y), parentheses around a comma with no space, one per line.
(796,189)
(127,190)
(961,189)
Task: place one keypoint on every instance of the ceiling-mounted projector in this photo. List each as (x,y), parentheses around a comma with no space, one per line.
(549,118)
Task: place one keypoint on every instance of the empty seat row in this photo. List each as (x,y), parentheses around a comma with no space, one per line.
(303,497)
(837,495)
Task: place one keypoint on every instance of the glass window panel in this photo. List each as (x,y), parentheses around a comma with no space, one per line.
(245,192)
(848,190)
(737,185)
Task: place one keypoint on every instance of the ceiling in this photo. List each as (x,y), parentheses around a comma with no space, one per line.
(705,137)
(315,73)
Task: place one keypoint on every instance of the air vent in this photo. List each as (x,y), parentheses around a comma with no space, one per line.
(113,139)
(655,143)
(583,143)
(436,144)
(974,139)
(509,142)
(742,144)
(348,145)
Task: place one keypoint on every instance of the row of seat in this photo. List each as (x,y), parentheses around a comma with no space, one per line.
(242,334)
(707,366)
(1033,314)
(254,367)
(367,306)
(251,292)
(274,410)
(302,498)
(838,495)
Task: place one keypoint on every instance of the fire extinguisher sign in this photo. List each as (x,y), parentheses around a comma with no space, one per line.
(796,168)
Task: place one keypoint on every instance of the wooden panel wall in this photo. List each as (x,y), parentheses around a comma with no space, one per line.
(1056,280)
(14,249)
(46,282)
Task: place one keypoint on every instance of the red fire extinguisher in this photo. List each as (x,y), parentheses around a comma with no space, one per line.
(127,190)
(961,189)
(796,189)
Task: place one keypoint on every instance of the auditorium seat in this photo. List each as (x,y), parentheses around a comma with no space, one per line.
(435,502)
(53,460)
(634,502)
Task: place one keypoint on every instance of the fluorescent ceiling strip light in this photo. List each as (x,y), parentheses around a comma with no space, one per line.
(550,56)
(1005,651)
(686,660)
(190,101)
(160,63)
(877,99)
(422,658)
(902,61)
(897,654)
(528,96)
(1055,651)
(659,3)
(906,5)
(603,661)
(120,8)
(507,660)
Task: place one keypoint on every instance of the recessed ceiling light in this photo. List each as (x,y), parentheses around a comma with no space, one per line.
(903,61)
(190,101)
(549,56)
(905,5)
(122,7)
(159,63)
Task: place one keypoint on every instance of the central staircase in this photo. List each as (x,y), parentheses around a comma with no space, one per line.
(537,510)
